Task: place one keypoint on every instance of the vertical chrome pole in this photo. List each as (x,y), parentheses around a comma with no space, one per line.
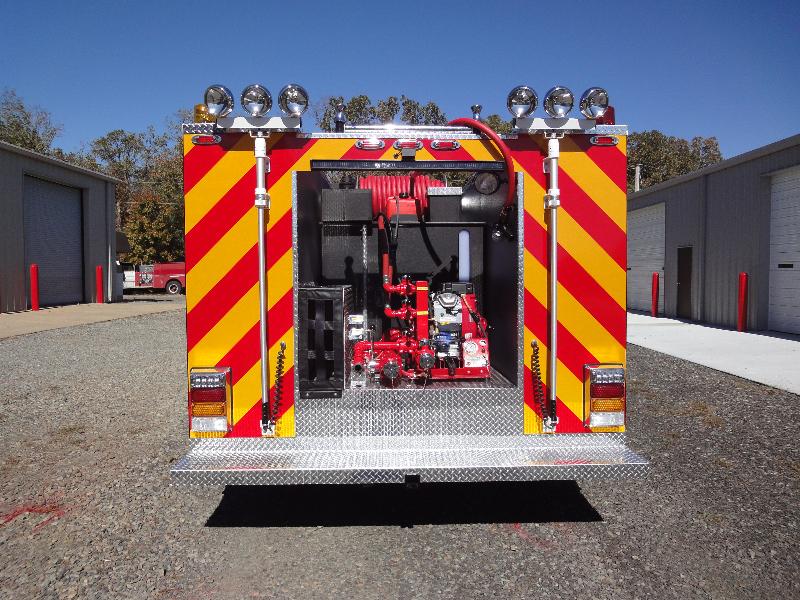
(552,201)
(262,204)
(365,268)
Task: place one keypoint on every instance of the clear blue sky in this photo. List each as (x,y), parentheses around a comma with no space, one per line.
(725,69)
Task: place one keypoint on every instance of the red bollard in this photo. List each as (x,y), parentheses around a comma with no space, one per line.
(741,317)
(34,287)
(98,278)
(654,297)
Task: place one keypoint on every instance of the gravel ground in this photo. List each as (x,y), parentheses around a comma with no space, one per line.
(88,510)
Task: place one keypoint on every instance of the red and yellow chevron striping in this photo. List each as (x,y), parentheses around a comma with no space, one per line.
(222,261)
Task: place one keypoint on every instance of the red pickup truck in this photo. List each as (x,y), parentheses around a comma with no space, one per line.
(170,277)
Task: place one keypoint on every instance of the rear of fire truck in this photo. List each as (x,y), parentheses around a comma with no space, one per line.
(395,303)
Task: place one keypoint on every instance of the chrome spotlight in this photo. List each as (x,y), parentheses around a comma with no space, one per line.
(558,102)
(293,100)
(522,101)
(218,100)
(256,100)
(594,103)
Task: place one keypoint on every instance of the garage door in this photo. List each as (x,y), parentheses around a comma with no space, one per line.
(53,240)
(784,252)
(645,256)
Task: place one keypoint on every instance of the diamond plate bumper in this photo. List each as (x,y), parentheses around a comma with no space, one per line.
(326,460)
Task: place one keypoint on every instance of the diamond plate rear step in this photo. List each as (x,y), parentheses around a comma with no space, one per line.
(328,460)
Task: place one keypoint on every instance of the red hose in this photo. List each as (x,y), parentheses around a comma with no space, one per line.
(490,133)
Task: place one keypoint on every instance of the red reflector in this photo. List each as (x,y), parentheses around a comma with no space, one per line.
(604,140)
(445,145)
(406,144)
(607,390)
(370,144)
(206,140)
(207,394)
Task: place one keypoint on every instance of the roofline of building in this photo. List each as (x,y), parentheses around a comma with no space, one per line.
(57,162)
(720,166)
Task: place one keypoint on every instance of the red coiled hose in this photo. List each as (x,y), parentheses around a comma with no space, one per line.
(490,133)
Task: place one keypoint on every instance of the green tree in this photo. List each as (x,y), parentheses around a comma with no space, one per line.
(497,123)
(360,110)
(149,165)
(28,127)
(663,157)
(386,110)
(155,229)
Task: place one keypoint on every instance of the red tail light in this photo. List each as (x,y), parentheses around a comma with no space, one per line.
(607,390)
(207,394)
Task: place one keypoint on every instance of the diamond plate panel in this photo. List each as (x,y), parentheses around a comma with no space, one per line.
(493,407)
(199,127)
(248,461)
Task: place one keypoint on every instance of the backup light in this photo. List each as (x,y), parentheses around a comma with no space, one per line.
(594,103)
(256,100)
(558,102)
(218,100)
(293,100)
(522,101)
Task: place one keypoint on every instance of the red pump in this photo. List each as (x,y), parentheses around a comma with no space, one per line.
(410,353)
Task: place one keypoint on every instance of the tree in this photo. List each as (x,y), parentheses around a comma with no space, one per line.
(31,128)
(663,157)
(155,230)
(360,110)
(497,123)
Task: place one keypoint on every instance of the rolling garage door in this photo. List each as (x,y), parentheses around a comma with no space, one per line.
(54,240)
(645,256)
(784,252)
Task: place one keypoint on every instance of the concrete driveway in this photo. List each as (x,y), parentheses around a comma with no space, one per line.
(766,357)
(58,317)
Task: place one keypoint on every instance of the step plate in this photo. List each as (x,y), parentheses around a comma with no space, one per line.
(326,460)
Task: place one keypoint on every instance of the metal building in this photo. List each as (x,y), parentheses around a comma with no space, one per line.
(60,217)
(700,230)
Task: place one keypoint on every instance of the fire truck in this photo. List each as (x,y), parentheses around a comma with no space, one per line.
(169,277)
(394,303)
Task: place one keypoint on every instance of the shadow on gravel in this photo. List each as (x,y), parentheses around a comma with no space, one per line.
(428,504)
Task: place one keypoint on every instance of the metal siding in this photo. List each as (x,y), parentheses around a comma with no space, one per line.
(645,255)
(734,214)
(784,283)
(684,227)
(98,221)
(730,233)
(53,232)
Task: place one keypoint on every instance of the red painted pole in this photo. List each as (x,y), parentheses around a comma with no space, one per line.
(741,317)
(34,287)
(654,298)
(98,278)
